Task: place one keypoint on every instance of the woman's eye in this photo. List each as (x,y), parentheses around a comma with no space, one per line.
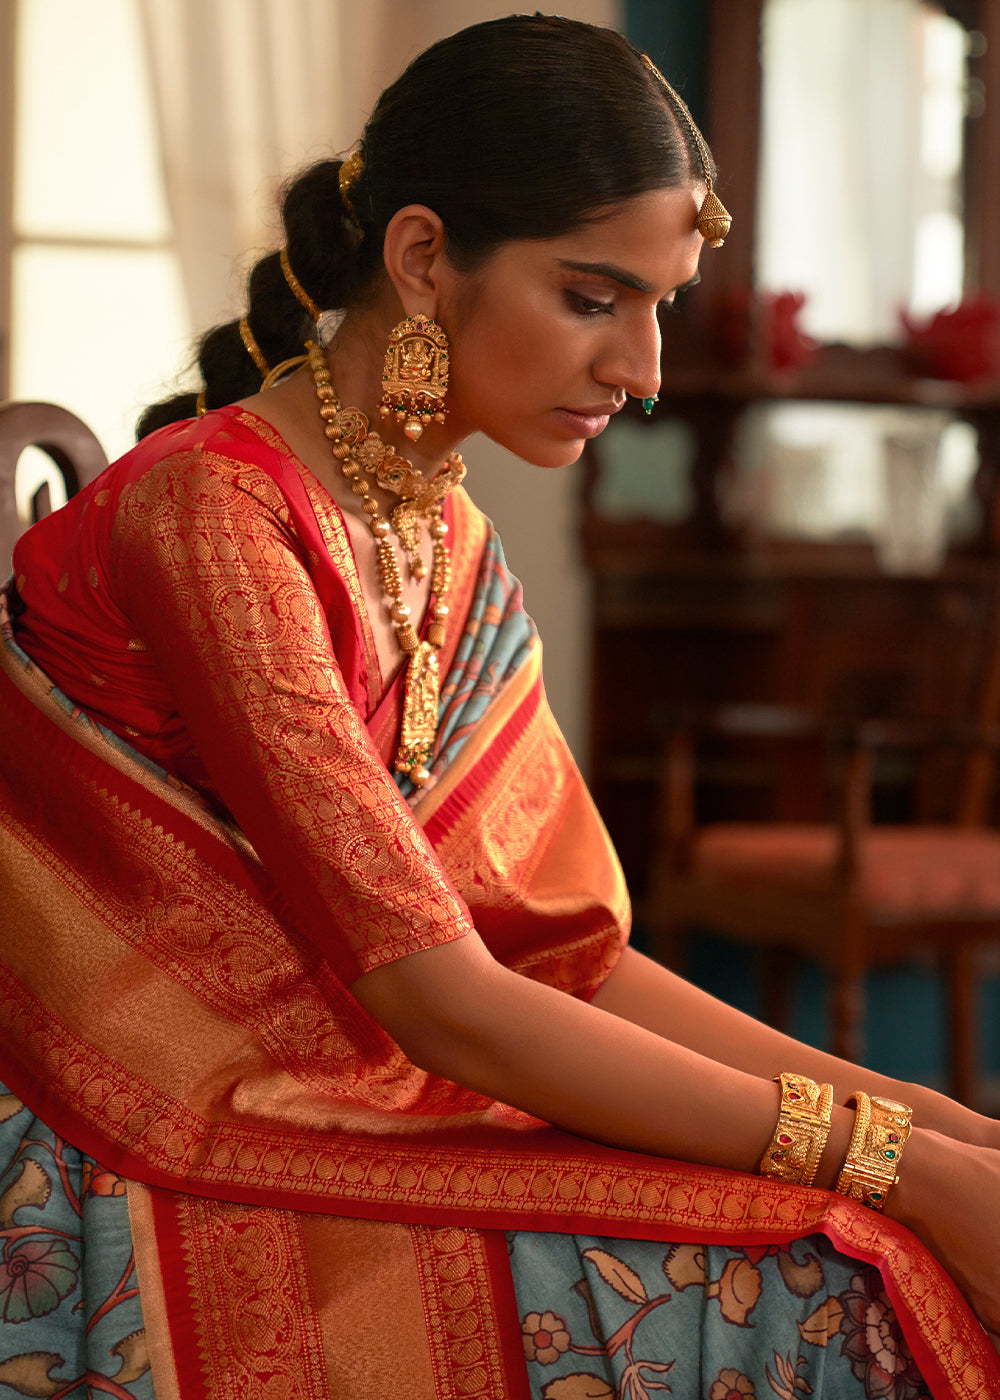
(588,306)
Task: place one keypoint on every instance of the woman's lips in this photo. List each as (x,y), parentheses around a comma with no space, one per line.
(585,422)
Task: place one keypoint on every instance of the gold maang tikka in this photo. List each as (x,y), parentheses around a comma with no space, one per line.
(415,374)
(714,219)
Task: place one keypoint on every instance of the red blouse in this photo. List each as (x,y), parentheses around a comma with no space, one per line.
(201,600)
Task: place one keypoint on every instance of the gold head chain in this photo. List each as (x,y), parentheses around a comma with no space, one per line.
(714,219)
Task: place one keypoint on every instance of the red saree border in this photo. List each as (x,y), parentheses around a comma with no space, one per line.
(507,1312)
(458,1273)
(150,1273)
(466,1344)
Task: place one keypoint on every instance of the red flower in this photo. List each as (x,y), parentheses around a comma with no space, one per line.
(545,1337)
(732,1385)
(98,1181)
(874,1343)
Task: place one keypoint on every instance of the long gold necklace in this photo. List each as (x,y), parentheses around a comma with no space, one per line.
(357,450)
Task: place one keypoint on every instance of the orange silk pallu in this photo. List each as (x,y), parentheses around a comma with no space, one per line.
(300,1231)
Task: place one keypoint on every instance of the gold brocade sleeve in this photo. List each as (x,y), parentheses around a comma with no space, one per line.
(206,563)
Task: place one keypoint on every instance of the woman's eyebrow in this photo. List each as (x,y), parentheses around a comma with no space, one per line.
(620,275)
(611,270)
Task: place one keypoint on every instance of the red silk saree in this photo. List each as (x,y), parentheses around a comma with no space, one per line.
(307,1206)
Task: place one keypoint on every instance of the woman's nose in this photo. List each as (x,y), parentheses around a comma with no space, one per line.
(632,360)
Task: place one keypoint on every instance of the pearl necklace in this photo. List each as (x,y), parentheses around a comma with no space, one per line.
(358,450)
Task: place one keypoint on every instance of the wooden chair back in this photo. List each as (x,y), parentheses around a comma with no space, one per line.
(913,652)
(65,438)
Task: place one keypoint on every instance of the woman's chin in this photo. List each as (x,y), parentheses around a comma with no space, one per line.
(550,455)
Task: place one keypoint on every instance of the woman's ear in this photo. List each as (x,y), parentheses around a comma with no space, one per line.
(415,258)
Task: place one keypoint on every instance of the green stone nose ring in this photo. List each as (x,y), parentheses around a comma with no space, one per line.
(647,404)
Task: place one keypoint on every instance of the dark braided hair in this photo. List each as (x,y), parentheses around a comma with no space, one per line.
(518,128)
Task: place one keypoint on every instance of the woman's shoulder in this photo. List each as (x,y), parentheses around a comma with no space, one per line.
(222,436)
(224,453)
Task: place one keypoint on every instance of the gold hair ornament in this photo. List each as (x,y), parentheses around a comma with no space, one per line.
(296,288)
(268,376)
(348,176)
(280,370)
(714,219)
(347,432)
(871,1167)
(253,349)
(327,322)
(800,1134)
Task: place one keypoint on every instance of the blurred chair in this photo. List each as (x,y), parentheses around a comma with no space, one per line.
(73,448)
(850,893)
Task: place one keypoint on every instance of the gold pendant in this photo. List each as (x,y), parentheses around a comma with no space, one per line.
(406,523)
(420,714)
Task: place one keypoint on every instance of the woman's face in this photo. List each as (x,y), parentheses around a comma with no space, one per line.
(549,335)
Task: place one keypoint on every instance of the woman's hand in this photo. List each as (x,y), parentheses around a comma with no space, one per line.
(948,1193)
(945,1116)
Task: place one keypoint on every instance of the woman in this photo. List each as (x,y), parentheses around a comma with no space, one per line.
(313,930)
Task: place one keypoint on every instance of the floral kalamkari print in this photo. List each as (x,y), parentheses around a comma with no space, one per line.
(609,1319)
(70,1320)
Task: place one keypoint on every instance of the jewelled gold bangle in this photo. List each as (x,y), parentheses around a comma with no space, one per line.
(801,1131)
(871,1167)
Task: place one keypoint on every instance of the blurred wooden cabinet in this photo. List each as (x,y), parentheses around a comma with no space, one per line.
(827,635)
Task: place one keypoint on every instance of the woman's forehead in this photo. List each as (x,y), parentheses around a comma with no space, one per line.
(649,242)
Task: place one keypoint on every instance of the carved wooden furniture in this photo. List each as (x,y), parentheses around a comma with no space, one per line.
(63,437)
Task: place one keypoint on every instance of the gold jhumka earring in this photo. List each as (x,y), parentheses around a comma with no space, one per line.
(415,374)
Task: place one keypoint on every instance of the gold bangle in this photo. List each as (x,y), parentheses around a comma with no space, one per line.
(871,1167)
(801,1131)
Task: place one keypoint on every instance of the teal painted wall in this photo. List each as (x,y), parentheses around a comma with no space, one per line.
(675,35)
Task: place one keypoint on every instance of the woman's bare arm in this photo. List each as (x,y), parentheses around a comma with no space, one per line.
(647,994)
(456,1012)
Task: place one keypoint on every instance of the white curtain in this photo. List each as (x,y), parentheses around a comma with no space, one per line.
(248,90)
(844,182)
(245,90)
